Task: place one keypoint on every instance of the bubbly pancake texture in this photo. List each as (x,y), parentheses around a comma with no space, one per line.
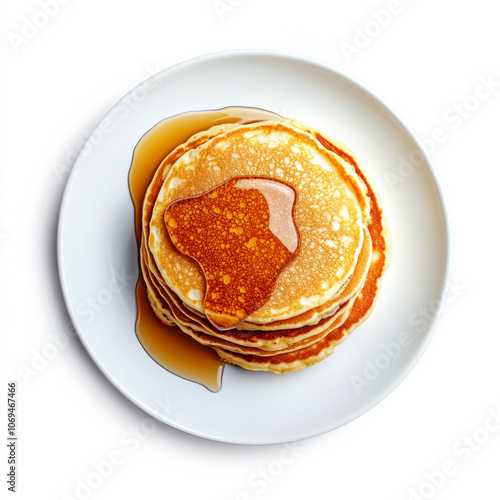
(322,295)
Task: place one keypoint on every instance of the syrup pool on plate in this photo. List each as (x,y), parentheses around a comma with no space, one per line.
(168,346)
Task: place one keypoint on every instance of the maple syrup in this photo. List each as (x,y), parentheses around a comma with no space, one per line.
(243,234)
(168,346)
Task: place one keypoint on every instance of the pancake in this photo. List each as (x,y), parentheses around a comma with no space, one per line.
(283,152)
(321,296)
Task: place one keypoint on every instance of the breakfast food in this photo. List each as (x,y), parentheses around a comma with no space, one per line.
(264,241)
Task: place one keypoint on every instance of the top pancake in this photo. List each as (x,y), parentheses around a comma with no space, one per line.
(331,211)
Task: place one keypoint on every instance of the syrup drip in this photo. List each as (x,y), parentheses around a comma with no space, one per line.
(168,346)
(242,233)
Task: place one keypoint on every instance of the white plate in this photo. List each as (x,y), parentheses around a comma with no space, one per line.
(96,242)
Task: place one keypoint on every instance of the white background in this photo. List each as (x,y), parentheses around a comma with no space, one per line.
(436,436)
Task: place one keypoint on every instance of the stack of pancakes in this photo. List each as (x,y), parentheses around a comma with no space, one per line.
(323,294)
